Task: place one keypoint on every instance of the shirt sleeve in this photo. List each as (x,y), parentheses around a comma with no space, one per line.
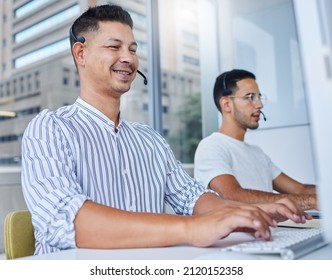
(182,191)
(49,183)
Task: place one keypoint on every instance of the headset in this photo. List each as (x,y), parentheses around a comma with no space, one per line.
(75,39)
(82,40)
(224,82)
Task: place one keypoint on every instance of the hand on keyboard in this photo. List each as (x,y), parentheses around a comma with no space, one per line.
(284,209)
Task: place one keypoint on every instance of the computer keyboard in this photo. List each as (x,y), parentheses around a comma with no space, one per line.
(289,243)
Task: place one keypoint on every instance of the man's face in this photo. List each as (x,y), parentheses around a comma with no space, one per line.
(110,58)
(246,109)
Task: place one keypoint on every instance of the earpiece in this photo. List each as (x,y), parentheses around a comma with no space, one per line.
(224,82)
(75,39)
(226,90)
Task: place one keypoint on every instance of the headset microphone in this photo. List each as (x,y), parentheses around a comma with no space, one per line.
(264,118)
(145,80)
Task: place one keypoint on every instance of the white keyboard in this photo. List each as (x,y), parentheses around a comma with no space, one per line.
(289,243)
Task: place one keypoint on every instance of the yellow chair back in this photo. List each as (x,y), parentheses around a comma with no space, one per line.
(18,235)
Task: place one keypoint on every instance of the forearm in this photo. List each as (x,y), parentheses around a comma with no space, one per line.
(229,188)
(309,189)
(99,226)
(207,202)
(248,196)
(304,201)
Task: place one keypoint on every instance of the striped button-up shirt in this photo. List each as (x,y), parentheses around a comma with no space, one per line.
(74,154)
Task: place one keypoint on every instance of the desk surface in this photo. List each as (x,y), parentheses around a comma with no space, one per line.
(182,252)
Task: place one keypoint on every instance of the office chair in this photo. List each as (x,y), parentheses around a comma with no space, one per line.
(18,235)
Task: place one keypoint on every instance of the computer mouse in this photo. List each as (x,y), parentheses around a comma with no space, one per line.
(220,255)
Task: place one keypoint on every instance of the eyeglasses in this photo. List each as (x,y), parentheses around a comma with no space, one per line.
(252,97)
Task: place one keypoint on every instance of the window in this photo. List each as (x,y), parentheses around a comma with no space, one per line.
(37,82)
(65,79)
(250,34)
(9,138)
(138,19)
(8,88)
(20,114)
(179,31)
(191,60)
(191,37)
(29,7)
(29,83)
(46,24)
(142,48)
(22,84)
(42,53)
(14,87)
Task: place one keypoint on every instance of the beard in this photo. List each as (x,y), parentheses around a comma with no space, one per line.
(244,121)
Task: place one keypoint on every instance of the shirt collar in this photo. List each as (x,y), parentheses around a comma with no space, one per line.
(95,114)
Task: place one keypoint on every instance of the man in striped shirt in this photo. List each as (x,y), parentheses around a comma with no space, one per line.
(93,180)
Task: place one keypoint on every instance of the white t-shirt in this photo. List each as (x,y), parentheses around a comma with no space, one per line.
(220,154)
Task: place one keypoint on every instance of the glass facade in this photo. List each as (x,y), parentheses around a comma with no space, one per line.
(197,39)
(46,24)
(44,52)
(29,7)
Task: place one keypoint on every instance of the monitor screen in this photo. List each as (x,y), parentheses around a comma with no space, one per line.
(316,51)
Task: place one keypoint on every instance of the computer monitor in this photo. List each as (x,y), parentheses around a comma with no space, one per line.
(316,52)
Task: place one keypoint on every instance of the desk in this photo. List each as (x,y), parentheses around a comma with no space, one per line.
(182,252)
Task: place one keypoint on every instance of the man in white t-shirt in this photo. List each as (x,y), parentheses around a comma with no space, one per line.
(235,169)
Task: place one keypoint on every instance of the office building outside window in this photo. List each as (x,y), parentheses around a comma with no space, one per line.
(189,61)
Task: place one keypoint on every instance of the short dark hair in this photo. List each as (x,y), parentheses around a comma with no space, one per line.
(226,83)
(88,21)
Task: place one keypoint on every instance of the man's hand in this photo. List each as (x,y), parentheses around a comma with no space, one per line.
(229,216)
(215,218)
(285,209)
